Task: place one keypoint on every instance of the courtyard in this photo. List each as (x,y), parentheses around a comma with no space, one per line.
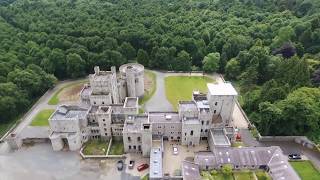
(172,163)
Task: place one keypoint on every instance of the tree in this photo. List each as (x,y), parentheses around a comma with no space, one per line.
(272,91)
(75,65)
(270,115)
(127,51)
(211,62)
(316,77)
(183,61)
(285,34)
(143,57)
(227,169)
(233,69)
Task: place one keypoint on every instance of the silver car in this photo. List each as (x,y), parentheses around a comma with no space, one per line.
(175,150)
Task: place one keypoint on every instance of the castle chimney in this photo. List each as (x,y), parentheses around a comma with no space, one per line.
(96,70)
(113,69)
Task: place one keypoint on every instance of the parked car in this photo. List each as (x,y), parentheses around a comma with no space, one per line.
(120,165)
(142,167)
(131,164)
(175,150)
(294,156)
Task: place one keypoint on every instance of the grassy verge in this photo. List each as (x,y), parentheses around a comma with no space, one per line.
(149,93)
(116,148)
(181,87)
(306,170)
(96,147)
(41,119)
(54,100)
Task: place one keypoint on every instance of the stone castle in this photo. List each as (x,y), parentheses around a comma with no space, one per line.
(109,109)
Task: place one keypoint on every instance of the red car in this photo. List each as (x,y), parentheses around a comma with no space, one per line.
(142,167)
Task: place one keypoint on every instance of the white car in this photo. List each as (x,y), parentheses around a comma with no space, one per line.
(175,150)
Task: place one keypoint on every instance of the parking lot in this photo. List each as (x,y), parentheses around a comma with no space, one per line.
(171,162)
(40,162)
(138,160)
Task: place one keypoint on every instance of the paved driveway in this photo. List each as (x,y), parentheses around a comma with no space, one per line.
(159,102)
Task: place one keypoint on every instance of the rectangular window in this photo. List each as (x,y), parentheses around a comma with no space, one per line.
(191,133)
(139,139)
(129,138)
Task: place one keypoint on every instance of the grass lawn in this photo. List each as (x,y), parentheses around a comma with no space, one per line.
(181,87)
(55,98)
(95,147)
(145,177)
(243,176)
(218,176)
(262,175)
(116,148)
(41,119)
(306,170)
(150,86)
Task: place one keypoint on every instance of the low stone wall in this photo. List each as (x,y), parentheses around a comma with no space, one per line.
(303,140)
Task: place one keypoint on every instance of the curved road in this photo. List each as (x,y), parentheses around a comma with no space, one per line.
(41,104)
(159,102)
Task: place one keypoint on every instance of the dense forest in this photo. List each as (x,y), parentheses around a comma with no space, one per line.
(269,48)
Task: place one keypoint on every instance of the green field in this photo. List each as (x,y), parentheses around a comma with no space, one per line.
(116,148)
(54,100)
(41,119)
(179,88)
(152,89)
(306,170)
(95,147)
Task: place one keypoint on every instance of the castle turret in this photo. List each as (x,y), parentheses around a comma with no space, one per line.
(133,74)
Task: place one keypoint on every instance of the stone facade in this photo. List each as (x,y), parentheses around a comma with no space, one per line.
(109,109)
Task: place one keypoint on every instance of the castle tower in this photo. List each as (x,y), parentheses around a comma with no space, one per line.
(146,139)
(114,86)
(133,74)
